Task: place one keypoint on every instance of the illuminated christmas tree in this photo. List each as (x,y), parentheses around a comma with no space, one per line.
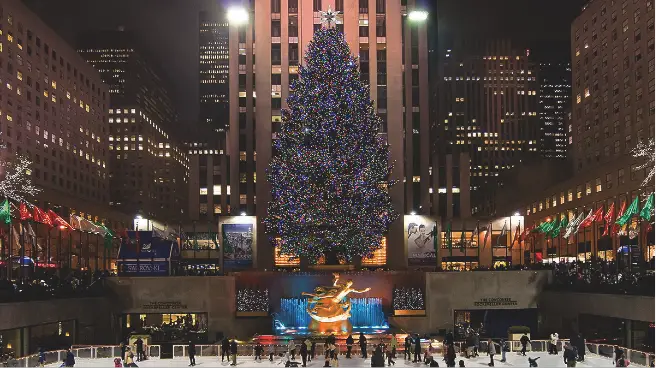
(330,173)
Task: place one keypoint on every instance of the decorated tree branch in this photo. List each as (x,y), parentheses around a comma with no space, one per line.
(16,181)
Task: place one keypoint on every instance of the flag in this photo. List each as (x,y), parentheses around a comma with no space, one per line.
(562,226)
(24,212)
(587,221)
(573,227)
(488,232)
(544,227)
(646,211)
(630,212)
(517,235)
(527,230)
(55,219)
(462,238)
(449,242)
(504,233)
(5,212)
(474,234)
(608,218)
(42,217)
(616,228)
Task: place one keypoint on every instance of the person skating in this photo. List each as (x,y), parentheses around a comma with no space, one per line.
(432,362)
(258,349)
(233,351)
(406,345)
(129,358)
(349,346)
(390,358)
(308,345)
(524,340)
(569,356)
(225,349)
(618,354)
(393,345)
(313,349)
(123,348)
(70,359)
(271,350)
(377,358)
(580,347)
(503,345)
(461,363)
(304,354)
(417,349)
(553,347)
(191,350)
(450,357)
(363,346)
(291,347)
(491,351)
(448,339)
(42,357)
(140,349)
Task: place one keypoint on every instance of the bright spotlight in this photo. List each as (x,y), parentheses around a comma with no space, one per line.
(418,15)
(237,15)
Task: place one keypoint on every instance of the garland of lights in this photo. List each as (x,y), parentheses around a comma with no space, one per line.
(253,300)
(408,299)
(16,182)
(645,151)
(330,175)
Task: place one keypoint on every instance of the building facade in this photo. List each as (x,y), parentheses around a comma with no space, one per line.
(554,99)
(149,169)
(488,105)
(264,57)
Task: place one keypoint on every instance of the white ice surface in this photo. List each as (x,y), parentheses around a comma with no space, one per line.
(513,360)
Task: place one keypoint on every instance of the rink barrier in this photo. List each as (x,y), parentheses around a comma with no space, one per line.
(636,357)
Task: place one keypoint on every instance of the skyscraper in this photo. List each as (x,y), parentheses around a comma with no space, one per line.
(213,69)
(264,58)
(148,168)
(488,109)
(554,99)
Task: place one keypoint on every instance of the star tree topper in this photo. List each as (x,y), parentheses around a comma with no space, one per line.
(329,17)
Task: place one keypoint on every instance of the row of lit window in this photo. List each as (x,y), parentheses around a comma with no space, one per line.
(205,152)
(216,190)
(500,58)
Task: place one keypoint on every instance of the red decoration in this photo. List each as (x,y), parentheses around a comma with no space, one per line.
(24,213)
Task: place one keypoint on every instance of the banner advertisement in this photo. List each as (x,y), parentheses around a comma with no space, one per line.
(238,245)
(420,240)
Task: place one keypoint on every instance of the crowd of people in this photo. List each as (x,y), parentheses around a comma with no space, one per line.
(45,284)
(602,276)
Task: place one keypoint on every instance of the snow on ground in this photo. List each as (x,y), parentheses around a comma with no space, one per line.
(514,360)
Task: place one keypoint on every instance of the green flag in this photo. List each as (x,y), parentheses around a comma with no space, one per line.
(5,212)
(646,211)
(449,242)
(559,227)
(632,210)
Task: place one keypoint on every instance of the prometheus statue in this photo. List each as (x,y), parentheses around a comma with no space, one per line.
(329,306)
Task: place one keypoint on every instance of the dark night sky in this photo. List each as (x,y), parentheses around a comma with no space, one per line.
(168,29)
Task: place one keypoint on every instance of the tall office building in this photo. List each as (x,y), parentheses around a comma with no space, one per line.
(488,104)
(554,99)
(613,80)
(264,58)
(149,170)
(213,69)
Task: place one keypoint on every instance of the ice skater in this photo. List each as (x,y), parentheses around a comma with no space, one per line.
(363,345)
(491,351)
(225,349)
(191,350)
(524,340)
(349,346)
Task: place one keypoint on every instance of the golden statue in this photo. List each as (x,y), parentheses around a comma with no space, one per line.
(329,308)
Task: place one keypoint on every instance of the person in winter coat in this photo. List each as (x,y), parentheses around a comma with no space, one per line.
(70,359)
(363,346)
(503,345)
(259,350)
(271,350)
(140,349)
(553,347)
(417,349)
(377,358)
(191,350)
(580,347)
(123,348)
(304,354)
(619,353)
(393,344)
(225,349)
(308,346)
(406,345)
(461,363)
(524,340)
(450,356)
(432,362)
(291,347)
(313,349)
(569,356)
(491,351)
(349,346)
(448,339)
(233,351)
(42,357)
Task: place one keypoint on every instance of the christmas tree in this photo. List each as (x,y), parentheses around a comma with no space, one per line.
(330,174)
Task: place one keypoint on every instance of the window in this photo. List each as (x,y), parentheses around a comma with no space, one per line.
(562,197)
(598,185)
(578,192)
(620,176)
(609,181)
(625,25)
(203,191)
(588,188)
(570,195)
(637,54)
(617,147)
(316,5)
(636,16)
(633,175)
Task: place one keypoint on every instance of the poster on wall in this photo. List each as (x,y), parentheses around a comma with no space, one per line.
(238,245)
(420,240)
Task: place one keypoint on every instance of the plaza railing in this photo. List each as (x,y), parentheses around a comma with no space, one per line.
(88,352)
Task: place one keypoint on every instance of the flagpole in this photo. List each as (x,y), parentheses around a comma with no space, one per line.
(510,232)
(70,250)
(97,250)
(59,252)
(22,251)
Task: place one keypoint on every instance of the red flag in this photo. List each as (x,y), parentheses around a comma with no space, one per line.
(616,228)
(24,213)
(42,217)
(527,231)
(57,220)
(597,216)
(517,235)
(609,219)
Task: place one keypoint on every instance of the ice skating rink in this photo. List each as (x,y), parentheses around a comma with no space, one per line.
(513,360)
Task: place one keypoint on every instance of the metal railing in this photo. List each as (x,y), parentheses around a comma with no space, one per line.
(636,357)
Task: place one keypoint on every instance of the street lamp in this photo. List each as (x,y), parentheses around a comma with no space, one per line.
(516,214)
(418,15)
(237,15)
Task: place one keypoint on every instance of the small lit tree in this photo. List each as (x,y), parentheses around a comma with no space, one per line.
(16,179)
(645,152)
